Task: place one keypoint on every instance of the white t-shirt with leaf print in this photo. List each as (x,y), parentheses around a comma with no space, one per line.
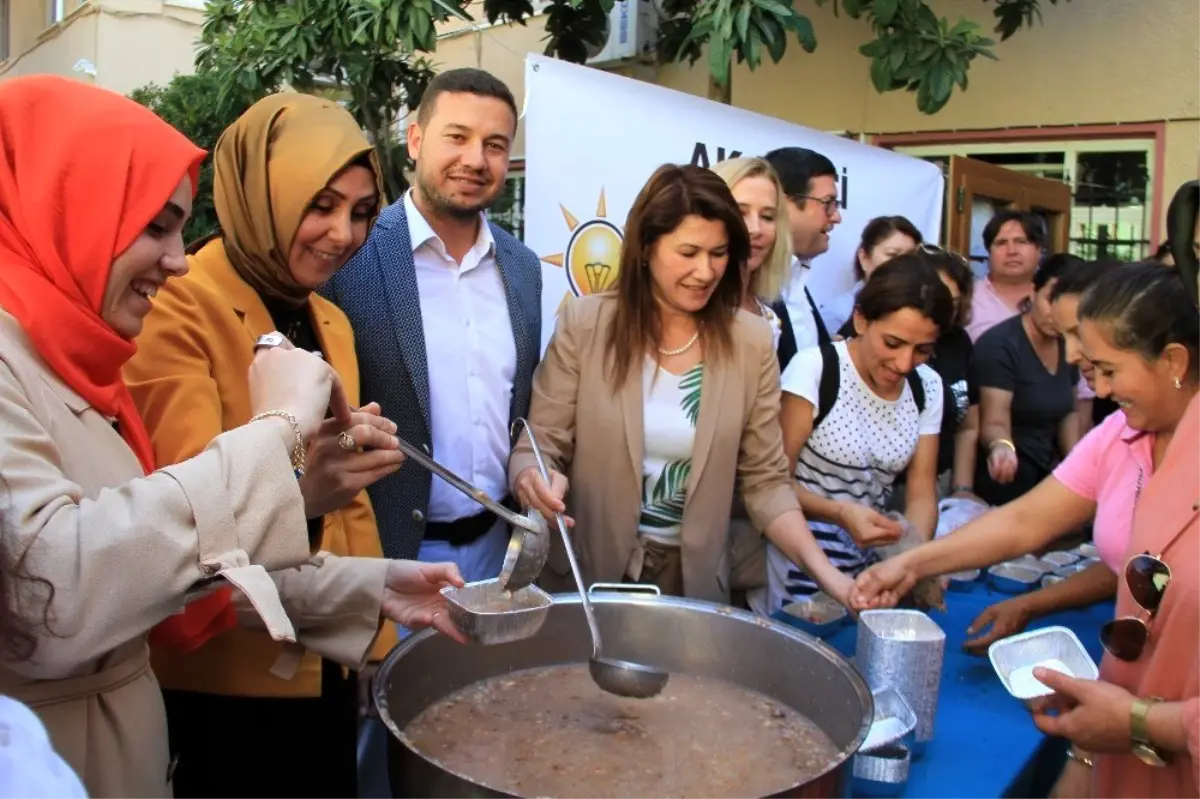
(671,406)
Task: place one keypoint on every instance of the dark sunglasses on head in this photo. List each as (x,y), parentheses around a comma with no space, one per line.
(1147,578)
(933,249)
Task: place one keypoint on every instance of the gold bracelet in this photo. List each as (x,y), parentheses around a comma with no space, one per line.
(298,454)
(1006,442)
(1080,756)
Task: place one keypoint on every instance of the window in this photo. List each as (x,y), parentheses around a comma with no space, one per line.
(3,30)
(1111,185)
(508,211)
(55,10)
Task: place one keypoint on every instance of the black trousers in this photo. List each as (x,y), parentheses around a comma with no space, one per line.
(232,746)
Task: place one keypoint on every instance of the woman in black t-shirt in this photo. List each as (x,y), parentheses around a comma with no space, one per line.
(1028,420)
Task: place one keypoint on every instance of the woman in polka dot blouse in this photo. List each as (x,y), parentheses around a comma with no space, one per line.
(883,420)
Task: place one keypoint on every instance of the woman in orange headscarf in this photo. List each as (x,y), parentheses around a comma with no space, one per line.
(296,190)
(94,192)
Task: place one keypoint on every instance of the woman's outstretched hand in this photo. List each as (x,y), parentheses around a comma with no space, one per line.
(412,595)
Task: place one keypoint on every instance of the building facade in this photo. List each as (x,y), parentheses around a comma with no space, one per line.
(117,44)
(1102,96)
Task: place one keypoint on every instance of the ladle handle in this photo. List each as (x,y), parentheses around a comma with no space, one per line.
(515,519)
(562,529)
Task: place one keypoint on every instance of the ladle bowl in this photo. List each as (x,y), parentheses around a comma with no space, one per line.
(618,677)
(526,554)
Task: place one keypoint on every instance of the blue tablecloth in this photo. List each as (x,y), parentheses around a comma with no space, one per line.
(983,738)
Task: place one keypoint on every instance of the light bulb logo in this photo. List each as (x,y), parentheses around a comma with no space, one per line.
(592,257)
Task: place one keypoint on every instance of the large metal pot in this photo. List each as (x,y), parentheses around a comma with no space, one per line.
(678,635)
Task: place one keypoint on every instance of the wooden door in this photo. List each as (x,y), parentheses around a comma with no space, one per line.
(978,189)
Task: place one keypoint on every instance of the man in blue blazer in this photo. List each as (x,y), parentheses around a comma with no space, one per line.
(446,310)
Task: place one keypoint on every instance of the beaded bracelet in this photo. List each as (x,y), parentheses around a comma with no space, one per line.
(298,454)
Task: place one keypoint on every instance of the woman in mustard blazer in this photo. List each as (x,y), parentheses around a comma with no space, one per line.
(296,190)
(653,402)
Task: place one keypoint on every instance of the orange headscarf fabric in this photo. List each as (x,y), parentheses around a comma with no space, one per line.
(83,171)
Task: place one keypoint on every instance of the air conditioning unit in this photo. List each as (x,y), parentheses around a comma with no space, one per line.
(632,34)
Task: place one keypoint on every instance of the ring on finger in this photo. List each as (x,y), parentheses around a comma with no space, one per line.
(347,442)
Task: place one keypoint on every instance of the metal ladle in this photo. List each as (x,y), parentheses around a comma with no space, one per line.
(533,523)
(619,677)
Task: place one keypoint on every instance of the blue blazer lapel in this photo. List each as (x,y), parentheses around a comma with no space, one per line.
(518,295)
(398,274)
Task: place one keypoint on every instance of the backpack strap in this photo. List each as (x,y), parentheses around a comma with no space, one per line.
(823,336)
(831,380)
(918,389)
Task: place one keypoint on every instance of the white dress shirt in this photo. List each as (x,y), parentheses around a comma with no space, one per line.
(804,324)
(472,362)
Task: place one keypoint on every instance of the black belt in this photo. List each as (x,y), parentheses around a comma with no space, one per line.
(467,530)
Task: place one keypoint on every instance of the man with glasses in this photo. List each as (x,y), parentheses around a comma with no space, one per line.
(810,182)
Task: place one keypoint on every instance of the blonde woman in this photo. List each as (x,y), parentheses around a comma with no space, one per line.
(760,198)
(762,202)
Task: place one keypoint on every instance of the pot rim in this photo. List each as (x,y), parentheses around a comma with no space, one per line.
(859,683)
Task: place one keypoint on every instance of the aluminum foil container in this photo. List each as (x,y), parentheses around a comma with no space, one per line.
(1014,658)
(1059,559)
(1013,579)
(1052,579)
(894,722)
(963,581)
(1087,551)
(486,613)
(821,615)
(883,774)
(904,649)
(1030,562)
(1072,568)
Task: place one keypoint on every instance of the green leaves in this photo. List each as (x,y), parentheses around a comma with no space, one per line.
(366,52)
(371,51)
(915,50)
(1011,15)
(740,29)
(663,506)
(189,104)
(691,384)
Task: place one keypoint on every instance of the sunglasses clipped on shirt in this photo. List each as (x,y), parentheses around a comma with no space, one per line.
(1147,578)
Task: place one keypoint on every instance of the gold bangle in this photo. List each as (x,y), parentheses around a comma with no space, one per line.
(1079,756)
(298,453)
(1004,441)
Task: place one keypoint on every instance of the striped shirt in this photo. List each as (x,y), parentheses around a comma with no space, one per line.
(855,455)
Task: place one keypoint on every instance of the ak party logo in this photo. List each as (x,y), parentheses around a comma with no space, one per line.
(592,257)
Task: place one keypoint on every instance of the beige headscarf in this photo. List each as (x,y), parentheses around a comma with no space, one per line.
(267,168)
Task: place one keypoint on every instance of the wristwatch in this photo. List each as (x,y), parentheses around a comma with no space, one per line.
(270,340)
(1143,750)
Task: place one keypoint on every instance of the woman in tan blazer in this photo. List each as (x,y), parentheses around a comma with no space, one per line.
(94,193)
(655,401)
(188,379)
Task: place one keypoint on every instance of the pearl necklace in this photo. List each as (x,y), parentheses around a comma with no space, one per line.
(681,350)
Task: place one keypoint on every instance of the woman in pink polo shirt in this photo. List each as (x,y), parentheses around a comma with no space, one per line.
(1135,730)
(1142,333)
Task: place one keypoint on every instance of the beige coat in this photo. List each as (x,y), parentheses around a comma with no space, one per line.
(122,550)
(594,435)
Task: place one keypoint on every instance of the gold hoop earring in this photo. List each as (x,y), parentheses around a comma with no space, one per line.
(1178,384)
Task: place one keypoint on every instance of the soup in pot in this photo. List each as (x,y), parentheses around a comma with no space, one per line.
(551,732)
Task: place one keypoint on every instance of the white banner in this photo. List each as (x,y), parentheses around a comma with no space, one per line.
(592,139)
